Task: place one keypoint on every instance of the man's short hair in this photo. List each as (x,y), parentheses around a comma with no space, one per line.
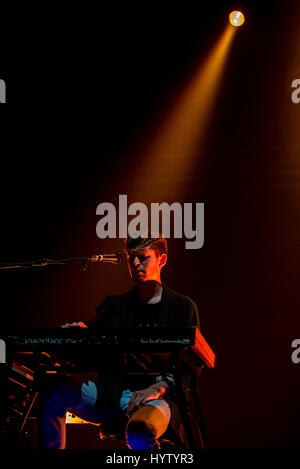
(158,243)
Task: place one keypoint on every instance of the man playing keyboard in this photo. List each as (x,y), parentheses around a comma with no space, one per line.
(146,406)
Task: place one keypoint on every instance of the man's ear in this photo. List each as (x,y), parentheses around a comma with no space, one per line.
(162,261)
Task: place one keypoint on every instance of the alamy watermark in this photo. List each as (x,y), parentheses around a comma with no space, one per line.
(2,91)
(188,221)
(2,351)
(295,96)
(296,353)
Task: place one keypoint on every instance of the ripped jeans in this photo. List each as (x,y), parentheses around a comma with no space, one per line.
(143,428)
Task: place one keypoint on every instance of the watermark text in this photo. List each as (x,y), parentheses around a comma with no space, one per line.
(296,353)
(295,96)
(188,221)
(2,91)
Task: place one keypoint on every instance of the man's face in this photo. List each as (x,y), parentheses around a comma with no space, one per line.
(144,265)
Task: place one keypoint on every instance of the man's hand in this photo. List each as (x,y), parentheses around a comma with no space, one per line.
(74,324)
(139,398)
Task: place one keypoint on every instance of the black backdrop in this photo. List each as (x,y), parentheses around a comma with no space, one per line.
(84,91)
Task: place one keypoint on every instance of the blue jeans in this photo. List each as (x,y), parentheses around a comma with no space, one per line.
(143,428)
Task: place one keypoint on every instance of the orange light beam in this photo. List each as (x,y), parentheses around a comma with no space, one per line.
(179,137)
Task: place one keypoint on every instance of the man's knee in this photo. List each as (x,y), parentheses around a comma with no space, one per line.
(56,395)
(144,427)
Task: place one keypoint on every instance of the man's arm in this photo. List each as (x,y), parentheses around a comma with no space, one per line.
(103,314)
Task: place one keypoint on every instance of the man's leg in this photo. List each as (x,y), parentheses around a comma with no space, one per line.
(147,424)
(65,395)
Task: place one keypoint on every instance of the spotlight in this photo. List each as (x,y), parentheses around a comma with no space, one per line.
(236,18)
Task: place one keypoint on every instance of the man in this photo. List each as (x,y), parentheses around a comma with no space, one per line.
(147,406)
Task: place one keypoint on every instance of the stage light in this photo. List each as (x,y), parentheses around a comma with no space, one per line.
(236,18)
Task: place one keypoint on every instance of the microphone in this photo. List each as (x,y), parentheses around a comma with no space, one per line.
(115,258)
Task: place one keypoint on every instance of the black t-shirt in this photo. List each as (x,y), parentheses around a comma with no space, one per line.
(129,311)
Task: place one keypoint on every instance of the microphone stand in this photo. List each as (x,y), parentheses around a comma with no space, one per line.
(111,258)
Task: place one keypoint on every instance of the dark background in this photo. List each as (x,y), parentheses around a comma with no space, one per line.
(85,90)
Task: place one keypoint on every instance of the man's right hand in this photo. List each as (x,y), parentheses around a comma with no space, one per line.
(75,324)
